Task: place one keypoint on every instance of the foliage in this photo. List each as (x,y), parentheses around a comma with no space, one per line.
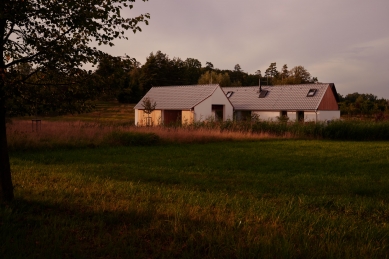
(45,45)
(212,77)
(160,70)
(336,130)
(49,93)
(148,105)
(357,130)
(120,138)
(367,105)
(56,38)
(115,78)
(282,118)
(297,75)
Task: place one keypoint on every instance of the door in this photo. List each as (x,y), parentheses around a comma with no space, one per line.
(171,117)
(218,111)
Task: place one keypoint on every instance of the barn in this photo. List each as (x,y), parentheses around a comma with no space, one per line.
(184,104)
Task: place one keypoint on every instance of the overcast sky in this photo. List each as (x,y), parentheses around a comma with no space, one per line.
(345,42)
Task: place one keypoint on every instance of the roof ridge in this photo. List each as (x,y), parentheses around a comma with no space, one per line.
(216,86)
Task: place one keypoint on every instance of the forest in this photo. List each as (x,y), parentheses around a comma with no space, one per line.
(126,80)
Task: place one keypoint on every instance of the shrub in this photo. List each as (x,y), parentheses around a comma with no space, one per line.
(132,138)
(357,130)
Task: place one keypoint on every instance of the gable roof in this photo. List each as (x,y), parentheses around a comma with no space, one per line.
(285,97)
(178,97)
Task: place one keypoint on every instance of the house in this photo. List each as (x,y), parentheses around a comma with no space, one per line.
(307,102)
(184,104)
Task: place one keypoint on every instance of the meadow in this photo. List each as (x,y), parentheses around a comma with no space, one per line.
(90,190)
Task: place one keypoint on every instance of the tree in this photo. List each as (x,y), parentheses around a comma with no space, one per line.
(113,75)
(212,77)
(192,71)
(52,36)
(362,104)
(237,68)
(271,73)
(208,65)
(149,107)
(284,72)
(300,75)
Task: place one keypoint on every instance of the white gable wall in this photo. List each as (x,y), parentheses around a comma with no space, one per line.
(203,110)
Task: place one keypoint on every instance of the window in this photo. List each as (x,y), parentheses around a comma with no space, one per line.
(311,92)
(283,113)
(229,94)
(300,116)
(242,115)
(217,111)
(263,94)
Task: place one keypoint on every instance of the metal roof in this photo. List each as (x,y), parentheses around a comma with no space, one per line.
(178,97)
(285,97)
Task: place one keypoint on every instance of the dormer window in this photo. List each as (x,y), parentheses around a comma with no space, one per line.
(311,92)
(263,94)
(229,94)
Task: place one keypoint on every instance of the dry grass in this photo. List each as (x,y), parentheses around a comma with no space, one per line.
(23,135)
(188,135)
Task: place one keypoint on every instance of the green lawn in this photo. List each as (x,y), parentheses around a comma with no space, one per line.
(262,199)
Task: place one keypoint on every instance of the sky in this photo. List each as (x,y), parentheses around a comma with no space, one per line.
(345,42)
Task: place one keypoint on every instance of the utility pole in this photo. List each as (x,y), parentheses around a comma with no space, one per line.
(259,77)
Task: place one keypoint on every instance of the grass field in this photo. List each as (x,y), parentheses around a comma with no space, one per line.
(91,186)
(236,199)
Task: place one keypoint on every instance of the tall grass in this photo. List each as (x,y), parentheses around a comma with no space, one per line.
(52,134)
(21,134)
(335,130)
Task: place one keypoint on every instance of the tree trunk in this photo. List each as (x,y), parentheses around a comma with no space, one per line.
(6,188)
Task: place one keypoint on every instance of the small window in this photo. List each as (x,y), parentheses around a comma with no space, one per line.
(300,116)
(263,94)
(311,92)
(283,113)
(229,94)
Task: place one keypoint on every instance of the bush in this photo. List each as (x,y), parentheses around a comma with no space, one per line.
(132,138)
(357,130)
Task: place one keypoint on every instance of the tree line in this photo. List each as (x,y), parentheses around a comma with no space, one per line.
(51,92)
(127,80)
(363,105)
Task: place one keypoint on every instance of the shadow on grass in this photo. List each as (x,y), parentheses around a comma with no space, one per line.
(31,229)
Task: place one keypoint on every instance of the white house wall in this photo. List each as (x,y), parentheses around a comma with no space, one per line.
(328,115)
(203,110)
